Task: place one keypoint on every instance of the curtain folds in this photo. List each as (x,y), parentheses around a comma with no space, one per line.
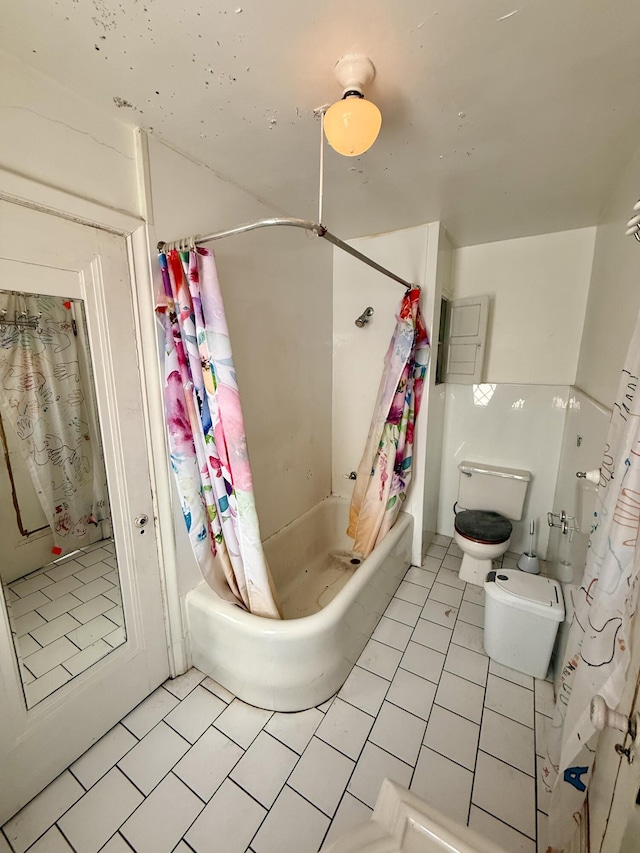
(385,469)
(207,439)
(45,380)
(598,650)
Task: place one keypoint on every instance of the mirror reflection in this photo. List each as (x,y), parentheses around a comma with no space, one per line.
(58,564)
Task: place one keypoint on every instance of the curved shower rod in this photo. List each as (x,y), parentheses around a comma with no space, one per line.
(305,224)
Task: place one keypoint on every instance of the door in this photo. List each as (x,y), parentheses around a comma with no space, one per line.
(59,697)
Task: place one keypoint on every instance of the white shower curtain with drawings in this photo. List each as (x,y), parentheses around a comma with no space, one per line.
(43,400)
(598,651)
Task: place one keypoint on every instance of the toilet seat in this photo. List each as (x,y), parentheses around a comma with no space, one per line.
(482,526)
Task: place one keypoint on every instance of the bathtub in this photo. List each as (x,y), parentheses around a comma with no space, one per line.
(330,604)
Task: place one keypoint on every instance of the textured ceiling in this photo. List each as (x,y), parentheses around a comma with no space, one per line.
(502,118)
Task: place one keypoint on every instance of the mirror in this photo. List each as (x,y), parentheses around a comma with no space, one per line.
(58,566)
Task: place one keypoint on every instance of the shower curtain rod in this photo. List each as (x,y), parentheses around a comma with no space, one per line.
(305,224)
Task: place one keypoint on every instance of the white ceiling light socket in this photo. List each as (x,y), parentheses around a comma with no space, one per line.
(354,72)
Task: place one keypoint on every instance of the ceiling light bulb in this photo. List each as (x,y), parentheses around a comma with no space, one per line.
(352,124)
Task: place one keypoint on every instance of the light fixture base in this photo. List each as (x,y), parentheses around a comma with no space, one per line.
(354,71)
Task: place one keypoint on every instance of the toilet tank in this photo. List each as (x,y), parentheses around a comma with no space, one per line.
(493,488)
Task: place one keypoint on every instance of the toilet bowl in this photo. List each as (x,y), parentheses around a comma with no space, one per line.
(489,498)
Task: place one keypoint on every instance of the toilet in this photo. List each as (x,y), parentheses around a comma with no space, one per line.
(489,499)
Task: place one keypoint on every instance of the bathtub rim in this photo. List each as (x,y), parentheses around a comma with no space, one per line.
(337,607)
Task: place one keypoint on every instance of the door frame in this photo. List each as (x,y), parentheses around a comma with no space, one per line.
(138,234)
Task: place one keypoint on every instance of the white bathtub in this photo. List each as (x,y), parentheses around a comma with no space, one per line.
(330,607)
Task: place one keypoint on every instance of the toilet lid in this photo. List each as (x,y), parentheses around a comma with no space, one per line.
(482,526)
(534,593)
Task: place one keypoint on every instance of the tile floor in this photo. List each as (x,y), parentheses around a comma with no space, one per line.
(193,768)
(64,617)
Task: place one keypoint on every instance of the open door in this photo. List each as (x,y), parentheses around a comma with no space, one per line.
(464,344)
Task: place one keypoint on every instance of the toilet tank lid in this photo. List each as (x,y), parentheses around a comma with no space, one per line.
(494,470)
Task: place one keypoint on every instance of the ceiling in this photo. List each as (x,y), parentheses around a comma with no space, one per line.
(502,118)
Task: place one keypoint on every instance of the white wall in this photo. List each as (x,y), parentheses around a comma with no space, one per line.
(538,288)
(53,136)
(415,254)
(520,426)
(614,296)
(277,289)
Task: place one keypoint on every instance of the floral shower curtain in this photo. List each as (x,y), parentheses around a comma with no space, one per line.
(598,651)
(207,440)
(44,402)
(385,469)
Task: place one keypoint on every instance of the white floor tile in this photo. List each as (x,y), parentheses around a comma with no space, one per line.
(471,613)
(413,693)
(511,675)
(148,762)
(454,549)
(542,836)
(92,573)
(474,594)
(321,775)
(209,761)
(422,661)
(295,730)
(467,664)
(90,609)
(56,590)
(442,614)
(163,818)
(58,627)
(50,656)
(541,724)
(373,767)
(380,659)
(52,841)
(326,705)
(461,696)
(98,815)
(392,633)
(42,812)
(102,756)
(27,645)
(510,700)
(227,823)
(242,722)
(84,659)
(437,551)
(545,701)
(469,637)
(506,793)
(346,728)
(59,606)
(195,713)
(114,595)
(350,813)
(443,784)
(509,741)
(495,830)
(446,594)
(403,611)
(432,635)
(452,736)
(432,564)
(149,712)
(92,557)
(46,685)
(25,624)
(440,539)
(449,577)
(116,844)
(218,690)
(421,577)
(29,603)
(4,845)
(26,586)
(365,690)
(264,768)
(292,824)
(63,570)
(116,638)
(412,592)
(90,590)
(185,683)
(399,732)
(452,562)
